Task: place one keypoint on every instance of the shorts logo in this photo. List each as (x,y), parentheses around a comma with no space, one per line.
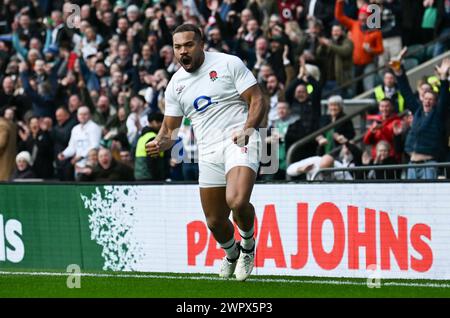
(203,102)
(244,149)
(213,75)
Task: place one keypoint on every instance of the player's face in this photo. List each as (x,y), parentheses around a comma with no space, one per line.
(188,51)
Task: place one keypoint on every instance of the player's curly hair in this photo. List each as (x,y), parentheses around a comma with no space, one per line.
(187,27)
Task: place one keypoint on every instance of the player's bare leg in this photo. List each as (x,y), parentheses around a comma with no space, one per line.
(240,181)
(217,214)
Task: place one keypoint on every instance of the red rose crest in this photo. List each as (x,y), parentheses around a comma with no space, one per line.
(213,75)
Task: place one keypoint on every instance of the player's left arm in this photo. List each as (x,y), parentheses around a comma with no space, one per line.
(257,106)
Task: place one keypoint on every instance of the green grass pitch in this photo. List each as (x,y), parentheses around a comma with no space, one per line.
(168,285)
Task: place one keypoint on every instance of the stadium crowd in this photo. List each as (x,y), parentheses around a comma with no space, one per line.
(81,94)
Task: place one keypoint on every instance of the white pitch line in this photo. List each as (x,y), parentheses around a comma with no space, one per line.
(252,279)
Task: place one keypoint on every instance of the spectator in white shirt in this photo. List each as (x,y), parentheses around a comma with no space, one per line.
(137,118)
(84,137)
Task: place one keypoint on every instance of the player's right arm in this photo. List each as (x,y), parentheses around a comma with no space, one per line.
(166,136)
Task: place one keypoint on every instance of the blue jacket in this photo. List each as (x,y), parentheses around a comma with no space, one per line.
(427,131)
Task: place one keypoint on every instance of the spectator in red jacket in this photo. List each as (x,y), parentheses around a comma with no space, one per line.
(383,129)
(368,43)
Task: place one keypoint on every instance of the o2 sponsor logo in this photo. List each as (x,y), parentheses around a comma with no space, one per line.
(201,103)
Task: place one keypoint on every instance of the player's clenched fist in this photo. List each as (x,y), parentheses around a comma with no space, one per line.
(152,148)
(242,137)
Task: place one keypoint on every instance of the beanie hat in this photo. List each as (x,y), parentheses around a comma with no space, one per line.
(24,155)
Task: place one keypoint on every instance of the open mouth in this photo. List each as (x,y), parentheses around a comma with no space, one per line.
(186,60)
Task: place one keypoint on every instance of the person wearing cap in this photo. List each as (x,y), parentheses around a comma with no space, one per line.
(368,43)
(23,167)
(51,52)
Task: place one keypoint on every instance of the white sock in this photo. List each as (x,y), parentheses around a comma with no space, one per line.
(231,249)
(247,242)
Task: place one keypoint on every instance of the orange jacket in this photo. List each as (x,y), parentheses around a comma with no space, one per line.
(359,37)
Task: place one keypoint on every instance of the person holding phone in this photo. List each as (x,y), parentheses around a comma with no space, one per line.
(383,129)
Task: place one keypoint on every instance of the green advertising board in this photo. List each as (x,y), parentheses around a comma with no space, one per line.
(46,226)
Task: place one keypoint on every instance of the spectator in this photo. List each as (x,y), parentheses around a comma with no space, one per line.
(274,90)
(389,89)
(62,35)
(126,158)
(37,141)
(137,119)
(349,156)
(411,21)
(168,59)
(338,62)
(103,112)
(8,97)
(73,104)
(303,95)
(311,51)
(442,27)
(368,44)
(424,140)
(401,131)
(245,41)
(215,42)
(390,30)
(290,10)
(23,167)
(60,135)
(422,87)
(338,135)
(311,166)
(149,168)
(84,137)
(429,20)
(85,173)
(262,54)
(8,132)
(40,90)
(108,169)
(117,124)
(383,150)
(383,128)
(9,113)
(277,134)
(319,9)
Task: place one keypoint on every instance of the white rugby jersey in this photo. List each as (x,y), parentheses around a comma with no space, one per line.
(210,97)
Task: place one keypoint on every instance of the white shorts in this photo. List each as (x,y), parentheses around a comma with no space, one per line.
(214,164)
